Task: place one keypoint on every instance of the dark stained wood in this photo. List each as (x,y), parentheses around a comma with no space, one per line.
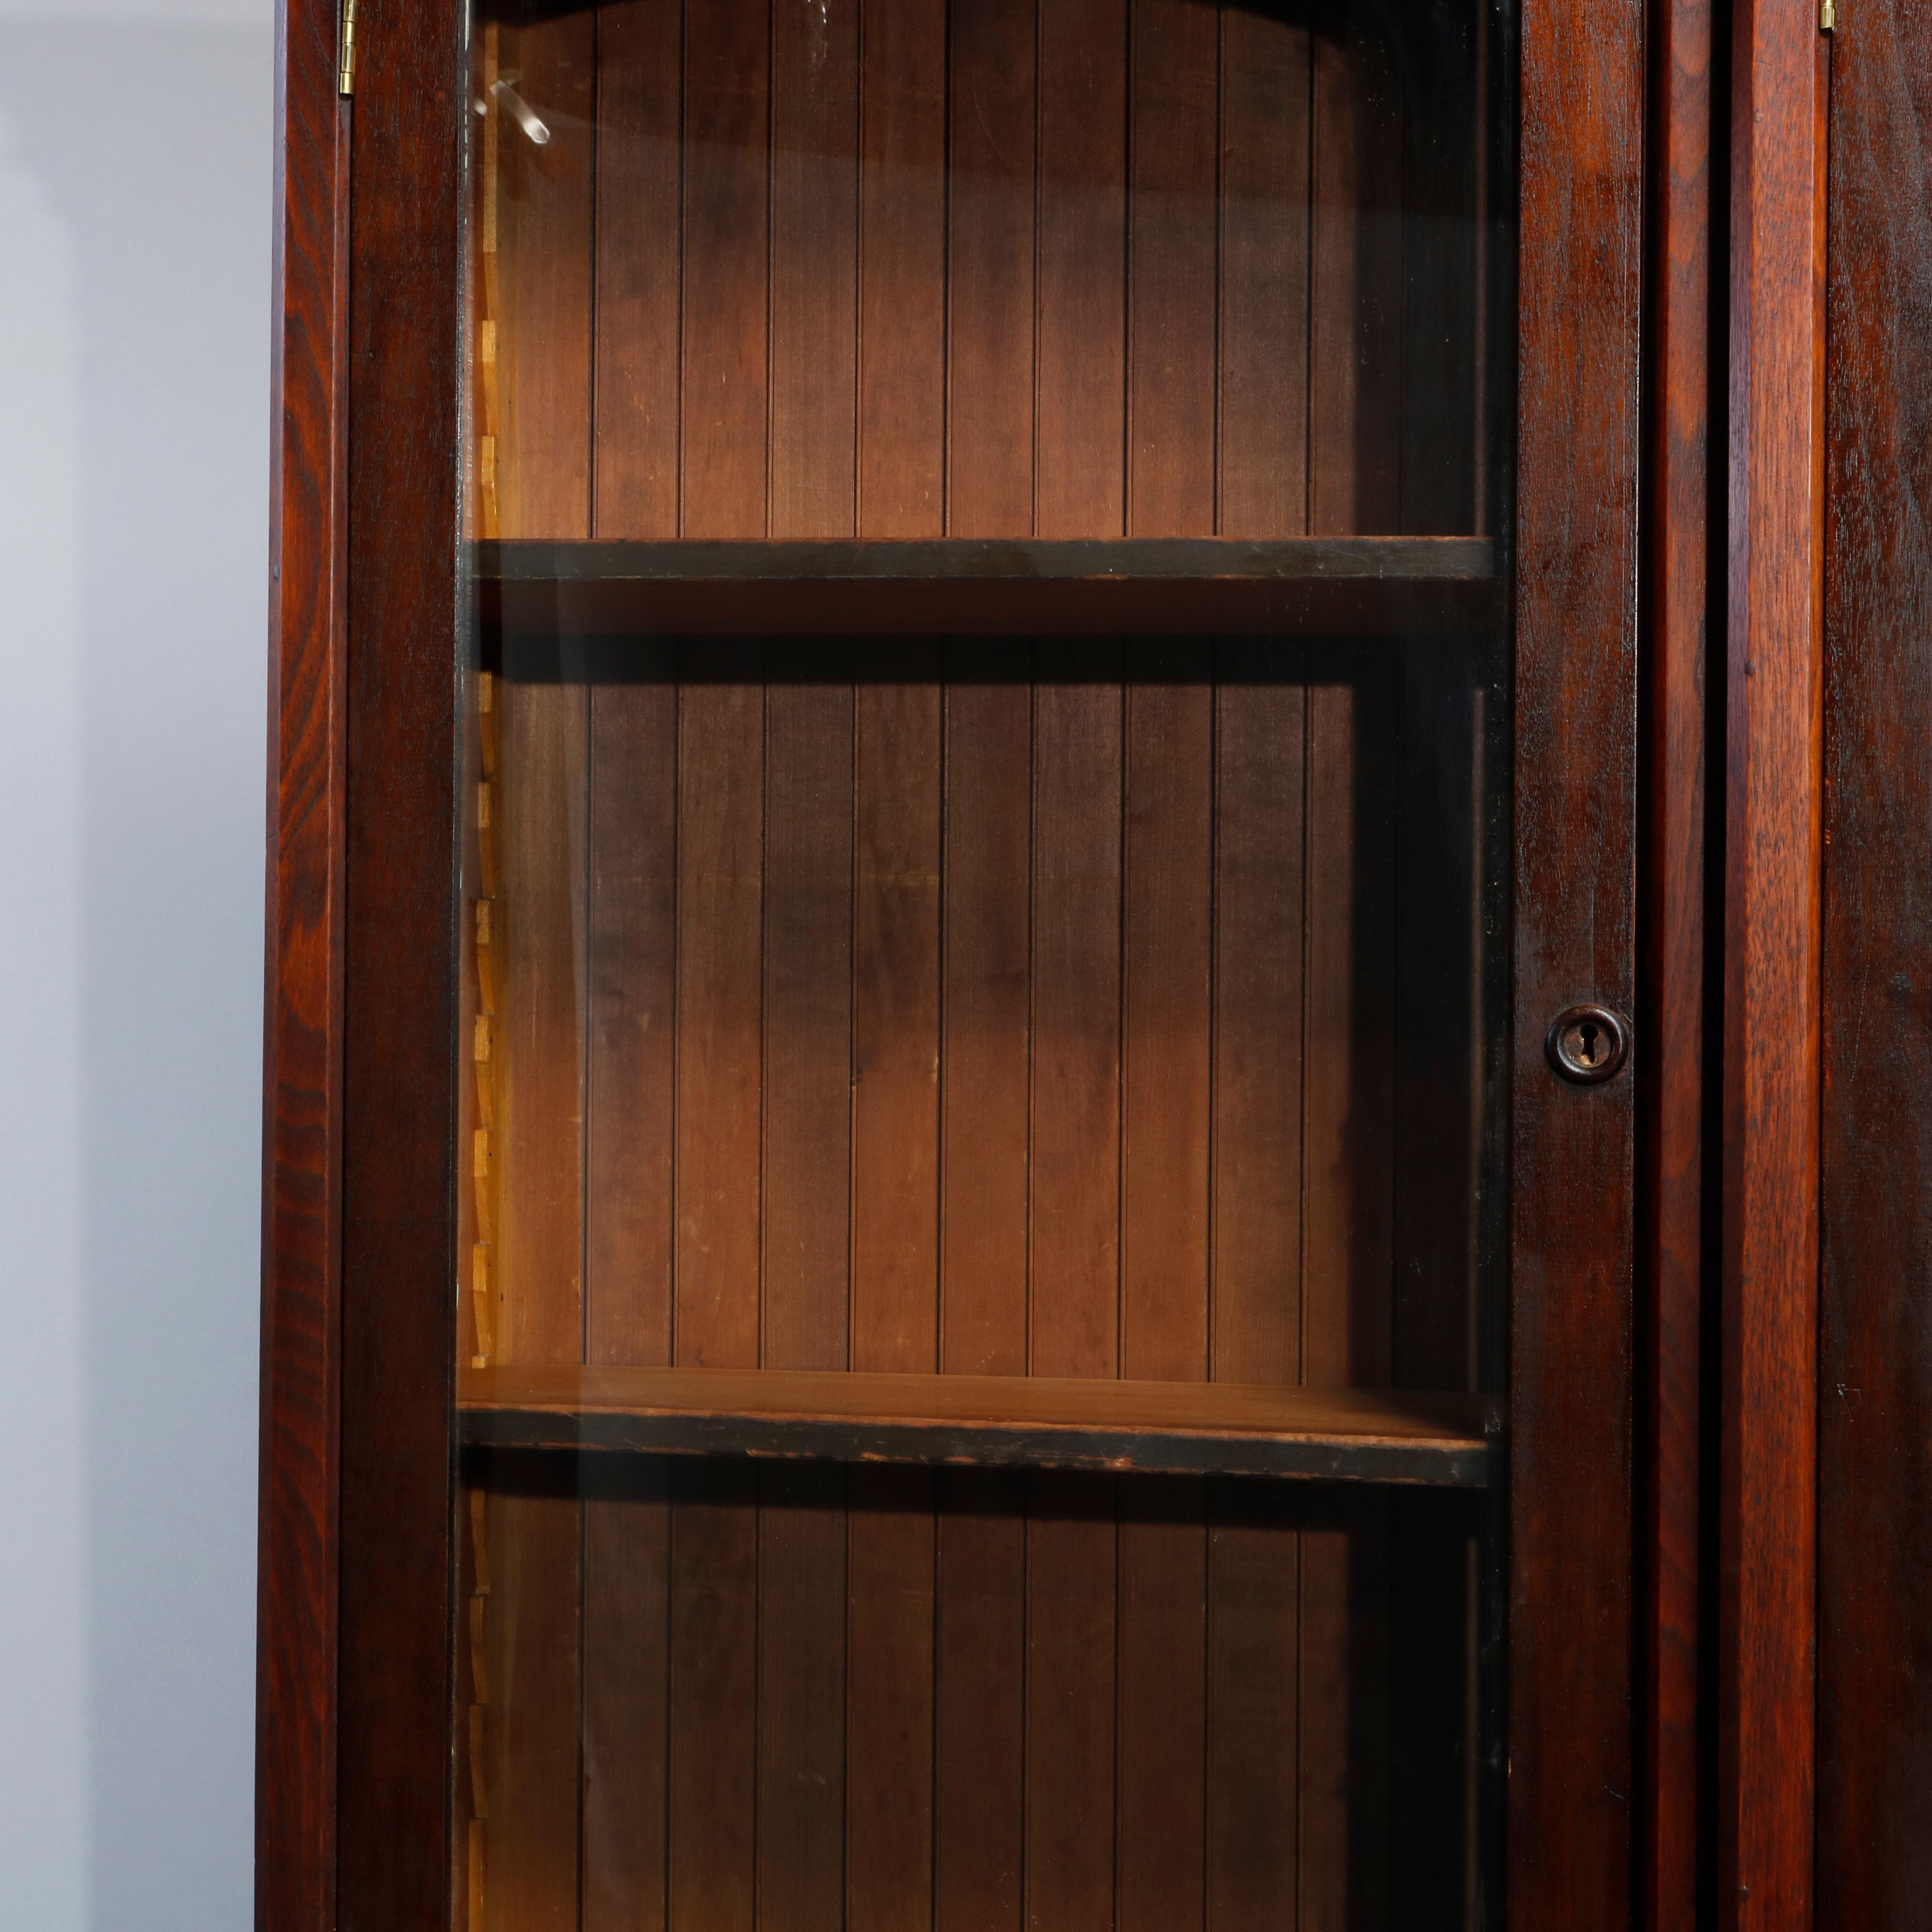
(1767,1607)
(393,1669)
(640,188)
(298,1554)
(984,1155)
(1671,1014)
(627,1529)
(1368,586)
(805,1176)
(1874,1831)
(1262,429)
(813,147)
(713,1734)
(1094,1421)
(895,1003)
(891,1558)
(991,150)
(721,871)
(1572,1724)
(1080,197)
(1175,89)
(903,229)
(725,480)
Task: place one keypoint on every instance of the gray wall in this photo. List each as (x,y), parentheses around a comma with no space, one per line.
(136,183)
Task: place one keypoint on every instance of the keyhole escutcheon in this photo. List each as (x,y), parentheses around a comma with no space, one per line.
(1587,1044)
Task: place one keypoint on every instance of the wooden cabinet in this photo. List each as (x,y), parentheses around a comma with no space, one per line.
(962,690)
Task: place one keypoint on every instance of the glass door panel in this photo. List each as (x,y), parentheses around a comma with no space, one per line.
(985,964)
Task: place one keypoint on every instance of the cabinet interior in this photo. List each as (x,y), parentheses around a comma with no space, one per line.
(1058,963)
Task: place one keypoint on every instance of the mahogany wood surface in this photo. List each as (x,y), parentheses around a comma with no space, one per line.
(1572,1726)
(296,1708)
(1672,1240)
(1874,1830)
(1767,1609)
(399,1272)
(1174,1426)
(528,591)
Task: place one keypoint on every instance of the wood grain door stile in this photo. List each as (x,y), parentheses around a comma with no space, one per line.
(297,1712)
(1774,849)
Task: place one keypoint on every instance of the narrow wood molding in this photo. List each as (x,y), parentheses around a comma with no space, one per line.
(299,1555)
(1671,1017)
(1773,780)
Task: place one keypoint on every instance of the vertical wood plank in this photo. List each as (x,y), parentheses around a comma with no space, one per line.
(1071,1579)
(814,267)
(801,1698)
(807,1190)
(891,1693)
(713,1732)
(639,179)
(626,1694)
(1080,397)
(1074,1318)
(1253,1847)
(1254,1570)
(1263,407)
(902,226)
(531,1753)
(1348,1099)
(545,255)
(987,864)
(979,1755)
(721,869)
(990,375)
(631,1073)
(1174,255)
(806,1156)
(1355,399)
(895,1011)
(726,207)
(1168,952)
(632,1070)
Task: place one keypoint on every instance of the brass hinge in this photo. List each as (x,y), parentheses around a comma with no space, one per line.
(1828,15)
(345,74)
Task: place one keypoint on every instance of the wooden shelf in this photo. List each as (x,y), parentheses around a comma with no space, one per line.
(1189,1428)
(972,586)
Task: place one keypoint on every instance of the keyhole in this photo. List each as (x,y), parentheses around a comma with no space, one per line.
(1587,1044)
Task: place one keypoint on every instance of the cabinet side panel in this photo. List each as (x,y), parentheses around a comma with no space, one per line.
(392,1672)
(1875,1628)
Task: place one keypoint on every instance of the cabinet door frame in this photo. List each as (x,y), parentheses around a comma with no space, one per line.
(356,1757)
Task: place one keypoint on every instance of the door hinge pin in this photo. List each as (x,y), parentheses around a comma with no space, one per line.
(1828,15)
(345,77)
